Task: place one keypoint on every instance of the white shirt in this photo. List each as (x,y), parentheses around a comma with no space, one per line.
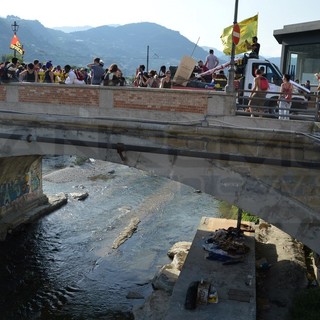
(72,78)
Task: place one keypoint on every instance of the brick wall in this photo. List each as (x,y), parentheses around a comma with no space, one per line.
(54,94)
(169,101)
(59,98)
(3,93)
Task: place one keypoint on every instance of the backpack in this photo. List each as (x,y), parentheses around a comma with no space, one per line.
(264,84)
(79,75)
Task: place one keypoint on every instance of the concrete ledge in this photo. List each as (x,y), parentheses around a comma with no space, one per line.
(235,284)
(13,221)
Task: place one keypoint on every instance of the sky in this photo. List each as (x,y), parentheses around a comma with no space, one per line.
(201,21)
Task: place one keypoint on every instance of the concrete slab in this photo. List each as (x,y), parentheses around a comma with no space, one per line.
(235,284)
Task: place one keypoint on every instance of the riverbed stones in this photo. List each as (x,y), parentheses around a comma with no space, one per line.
(156,305)
(79,195)
(126,233)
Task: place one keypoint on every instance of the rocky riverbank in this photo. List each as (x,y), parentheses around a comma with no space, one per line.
(281,267)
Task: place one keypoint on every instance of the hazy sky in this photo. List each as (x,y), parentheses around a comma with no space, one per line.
(194,19)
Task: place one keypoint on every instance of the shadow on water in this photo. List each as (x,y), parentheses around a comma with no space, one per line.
(28,289)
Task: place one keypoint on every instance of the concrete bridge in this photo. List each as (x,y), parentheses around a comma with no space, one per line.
(266,166)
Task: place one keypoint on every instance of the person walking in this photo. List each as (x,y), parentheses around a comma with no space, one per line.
(285,97)
(258,93)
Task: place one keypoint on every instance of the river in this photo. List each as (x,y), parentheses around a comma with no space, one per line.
(63,266)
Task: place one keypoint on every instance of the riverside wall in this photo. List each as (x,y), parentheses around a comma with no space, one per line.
(20,188)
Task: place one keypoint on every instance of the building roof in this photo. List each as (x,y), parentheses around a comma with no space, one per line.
(312,28)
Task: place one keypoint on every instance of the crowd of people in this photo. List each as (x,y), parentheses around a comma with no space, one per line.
(153,79)
(94,73)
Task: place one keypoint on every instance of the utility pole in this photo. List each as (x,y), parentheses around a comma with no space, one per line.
(147,68)
(230,85)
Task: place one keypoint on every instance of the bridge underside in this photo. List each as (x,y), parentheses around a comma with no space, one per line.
(263,190)
(273,174)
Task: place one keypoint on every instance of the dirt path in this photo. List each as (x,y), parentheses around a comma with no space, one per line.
(284,278)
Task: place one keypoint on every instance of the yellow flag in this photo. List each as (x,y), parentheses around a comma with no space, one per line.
(248,29)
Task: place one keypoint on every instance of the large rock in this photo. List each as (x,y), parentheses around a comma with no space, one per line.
(156,305)
(126,233)
(79,195)
(166,278)
(182,246)
(179,259)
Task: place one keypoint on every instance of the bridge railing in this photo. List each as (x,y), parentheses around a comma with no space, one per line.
(303,107)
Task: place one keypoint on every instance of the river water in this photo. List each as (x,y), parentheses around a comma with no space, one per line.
(63,266)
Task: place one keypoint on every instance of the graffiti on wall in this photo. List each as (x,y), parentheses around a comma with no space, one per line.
(28,183)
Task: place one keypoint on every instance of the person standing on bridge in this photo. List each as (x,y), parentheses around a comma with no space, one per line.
(211,60)
(285,97)
(254,46)
(257,95)
(49,75)
(10,71)
(97,71)
(166,81)
(29,74)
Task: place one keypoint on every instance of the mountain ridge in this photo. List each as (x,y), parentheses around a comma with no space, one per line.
(127,45)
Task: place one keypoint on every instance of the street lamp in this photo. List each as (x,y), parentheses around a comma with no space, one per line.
(230,85)
(15,28)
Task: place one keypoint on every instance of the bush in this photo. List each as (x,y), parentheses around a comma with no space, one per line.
(229,211)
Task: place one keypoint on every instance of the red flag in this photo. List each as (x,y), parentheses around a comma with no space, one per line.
(16,45)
